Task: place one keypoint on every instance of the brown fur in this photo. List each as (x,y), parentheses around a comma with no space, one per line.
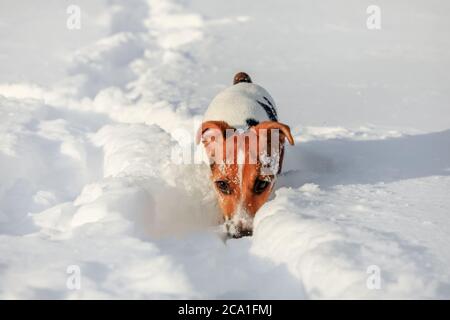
(240,178)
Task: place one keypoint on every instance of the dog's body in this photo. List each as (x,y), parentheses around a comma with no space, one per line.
(242,105)
(245,144)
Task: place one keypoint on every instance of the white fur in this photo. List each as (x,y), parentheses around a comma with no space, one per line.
(238,103)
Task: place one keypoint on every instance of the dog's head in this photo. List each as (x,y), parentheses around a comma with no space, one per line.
(244,165)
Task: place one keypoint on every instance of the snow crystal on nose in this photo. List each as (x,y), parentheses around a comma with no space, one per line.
(241,223)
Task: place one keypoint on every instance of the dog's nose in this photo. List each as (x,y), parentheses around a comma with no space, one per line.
(242,233)
(239,230)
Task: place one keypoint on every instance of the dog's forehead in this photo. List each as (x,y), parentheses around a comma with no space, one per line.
(240,141)
(246,151)
(235,173)
(228,171)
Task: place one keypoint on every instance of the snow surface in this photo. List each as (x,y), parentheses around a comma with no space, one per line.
(88,120)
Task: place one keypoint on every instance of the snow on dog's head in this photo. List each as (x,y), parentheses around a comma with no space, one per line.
(244,165)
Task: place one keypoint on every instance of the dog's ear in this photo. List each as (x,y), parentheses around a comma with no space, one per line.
(268,149)
(213,134)
(284,130)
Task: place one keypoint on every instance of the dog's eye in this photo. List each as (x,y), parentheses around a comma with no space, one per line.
(223,186)
(260,186)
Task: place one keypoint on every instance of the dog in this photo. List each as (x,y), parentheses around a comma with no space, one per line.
(244,143)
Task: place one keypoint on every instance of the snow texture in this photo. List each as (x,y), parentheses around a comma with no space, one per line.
(89,119)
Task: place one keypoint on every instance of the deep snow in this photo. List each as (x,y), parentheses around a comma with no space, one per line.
(89,119)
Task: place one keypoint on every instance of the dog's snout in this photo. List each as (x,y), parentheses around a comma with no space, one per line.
(238,230)
(243,233)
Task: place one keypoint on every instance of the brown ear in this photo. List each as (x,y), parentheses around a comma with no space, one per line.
(213,141)
(285,130)
(222,126)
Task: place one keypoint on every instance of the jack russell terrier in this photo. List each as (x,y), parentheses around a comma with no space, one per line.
(244,143)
